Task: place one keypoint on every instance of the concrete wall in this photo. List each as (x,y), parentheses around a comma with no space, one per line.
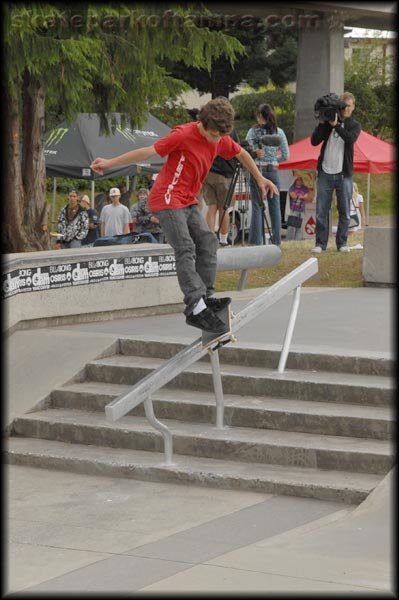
(62,286)
(379,256)
(59,286)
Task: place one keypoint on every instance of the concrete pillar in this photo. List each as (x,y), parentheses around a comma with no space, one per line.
(320,70)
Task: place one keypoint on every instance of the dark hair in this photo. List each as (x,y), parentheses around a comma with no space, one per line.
(193,113)
(266,111)
(217,114)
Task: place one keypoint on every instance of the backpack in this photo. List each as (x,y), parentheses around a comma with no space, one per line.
(125,238)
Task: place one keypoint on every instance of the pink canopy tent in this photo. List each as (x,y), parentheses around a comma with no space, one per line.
(371,155)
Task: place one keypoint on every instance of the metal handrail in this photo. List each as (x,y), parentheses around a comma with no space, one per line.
(141,391)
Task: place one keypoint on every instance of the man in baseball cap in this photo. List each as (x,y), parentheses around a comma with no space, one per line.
(93,234)
(114,217)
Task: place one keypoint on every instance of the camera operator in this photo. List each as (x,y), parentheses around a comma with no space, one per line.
(215,189)
(269,143)
(334,169)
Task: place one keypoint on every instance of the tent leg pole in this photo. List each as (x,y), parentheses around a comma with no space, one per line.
(93,185)
(368,199)
(53,206)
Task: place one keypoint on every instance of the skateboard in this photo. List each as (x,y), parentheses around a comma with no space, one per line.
(213,341)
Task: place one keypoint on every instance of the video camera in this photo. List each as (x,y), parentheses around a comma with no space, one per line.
(326,107)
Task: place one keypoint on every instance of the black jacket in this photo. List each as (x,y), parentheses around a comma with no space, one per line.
(225,167)
(349,133)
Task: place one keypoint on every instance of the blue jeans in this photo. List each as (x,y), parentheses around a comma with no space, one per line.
(326,184)
(195,249)
(256,227)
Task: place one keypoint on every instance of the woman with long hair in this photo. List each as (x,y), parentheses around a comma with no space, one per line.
(267,159)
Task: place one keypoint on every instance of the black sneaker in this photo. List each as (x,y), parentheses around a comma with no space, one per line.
(207,321)
(217,304)
(224,244)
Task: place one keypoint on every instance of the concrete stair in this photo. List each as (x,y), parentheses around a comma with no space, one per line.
(323,429)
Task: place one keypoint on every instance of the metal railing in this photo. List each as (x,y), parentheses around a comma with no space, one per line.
(141,391)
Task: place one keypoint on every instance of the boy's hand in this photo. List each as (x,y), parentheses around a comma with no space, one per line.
(267,187)
(99,165)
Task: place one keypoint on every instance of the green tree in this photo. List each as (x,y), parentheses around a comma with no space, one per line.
(366,77)
(270,56)
(94,58)
(282,101)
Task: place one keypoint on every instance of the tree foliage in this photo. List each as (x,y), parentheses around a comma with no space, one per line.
(282,101)
(270,56)
(85,58)
(369,78)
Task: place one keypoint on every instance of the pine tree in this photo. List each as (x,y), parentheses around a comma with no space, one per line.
(270,56)
(91,59)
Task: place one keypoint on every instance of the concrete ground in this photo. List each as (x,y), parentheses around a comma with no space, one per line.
(75,533)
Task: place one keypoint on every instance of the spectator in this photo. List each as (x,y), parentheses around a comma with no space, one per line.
(73,223)
(357,208)
(114,217)
(125,195)
(100,201)
(267,158)
(143,220)
(92,235)
(299,194)
(214,191)
(334,172)
(190,149)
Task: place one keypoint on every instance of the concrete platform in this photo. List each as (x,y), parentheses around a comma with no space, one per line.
(74,533)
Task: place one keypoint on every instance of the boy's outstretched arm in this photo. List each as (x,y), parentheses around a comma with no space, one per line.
(99,165)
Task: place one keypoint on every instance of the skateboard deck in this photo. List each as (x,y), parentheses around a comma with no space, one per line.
(214,341)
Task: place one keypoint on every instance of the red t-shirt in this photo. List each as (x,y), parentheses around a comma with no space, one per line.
(190,156)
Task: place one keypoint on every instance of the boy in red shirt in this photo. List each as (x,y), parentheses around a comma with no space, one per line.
(191,149)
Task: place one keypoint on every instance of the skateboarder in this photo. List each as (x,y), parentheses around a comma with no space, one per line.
(191,149)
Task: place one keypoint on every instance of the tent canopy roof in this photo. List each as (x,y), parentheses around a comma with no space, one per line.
(371,155)
(70,148)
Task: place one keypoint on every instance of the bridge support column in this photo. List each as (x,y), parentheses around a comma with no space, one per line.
(320,70)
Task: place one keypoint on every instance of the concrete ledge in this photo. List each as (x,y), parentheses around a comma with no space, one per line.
(59,287)
(77,283)
(378,257)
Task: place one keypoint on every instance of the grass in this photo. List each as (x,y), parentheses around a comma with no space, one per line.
(336,269)
(382,192)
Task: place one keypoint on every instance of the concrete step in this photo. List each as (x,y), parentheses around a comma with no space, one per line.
(241,411)
(255,355)
(338,486)
(205,440)
(253,381)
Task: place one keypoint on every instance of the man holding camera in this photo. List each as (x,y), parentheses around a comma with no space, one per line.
(338,131)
